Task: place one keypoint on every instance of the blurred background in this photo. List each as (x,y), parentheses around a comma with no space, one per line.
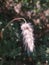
(12,51)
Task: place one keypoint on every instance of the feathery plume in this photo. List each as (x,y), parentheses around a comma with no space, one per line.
(28,36)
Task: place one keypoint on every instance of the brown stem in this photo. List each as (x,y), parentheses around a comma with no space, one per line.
(11,22)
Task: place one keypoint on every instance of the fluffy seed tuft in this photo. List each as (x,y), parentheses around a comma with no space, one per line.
(28,36)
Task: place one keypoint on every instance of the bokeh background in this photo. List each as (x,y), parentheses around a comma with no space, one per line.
(12,51)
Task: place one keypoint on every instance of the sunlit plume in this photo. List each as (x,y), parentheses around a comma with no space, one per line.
(28,36)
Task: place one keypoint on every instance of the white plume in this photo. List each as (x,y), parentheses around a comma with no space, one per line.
(28,36)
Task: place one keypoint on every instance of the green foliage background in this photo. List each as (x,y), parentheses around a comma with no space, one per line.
(11,46)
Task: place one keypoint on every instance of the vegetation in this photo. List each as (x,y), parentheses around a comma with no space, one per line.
(12,51)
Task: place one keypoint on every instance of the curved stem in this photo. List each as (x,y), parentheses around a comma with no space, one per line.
(11,22)
(14,20)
